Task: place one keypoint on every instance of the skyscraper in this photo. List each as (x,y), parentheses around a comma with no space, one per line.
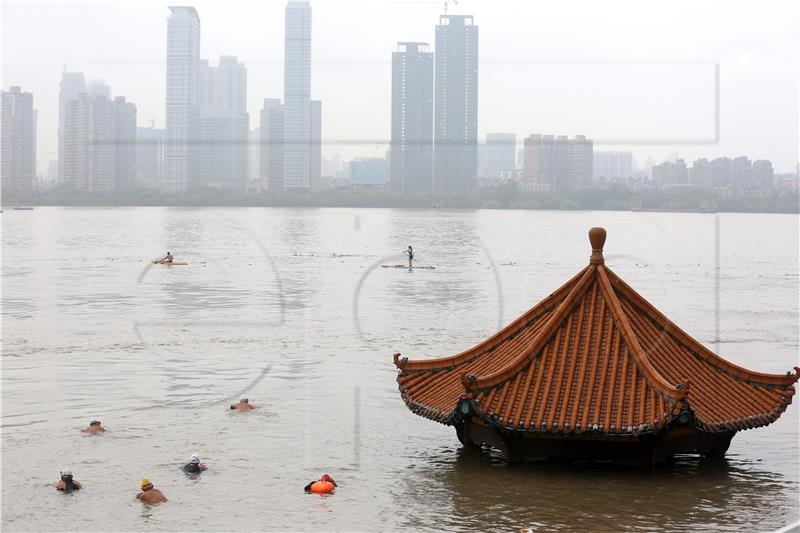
(297,96)
(17,141)
(224,124)
(456,105)
(182,109)
(72,84)
(411,152)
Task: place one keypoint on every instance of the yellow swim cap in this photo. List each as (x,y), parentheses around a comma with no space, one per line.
(145,482)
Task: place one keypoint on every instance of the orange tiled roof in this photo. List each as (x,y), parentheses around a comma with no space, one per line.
(594,356)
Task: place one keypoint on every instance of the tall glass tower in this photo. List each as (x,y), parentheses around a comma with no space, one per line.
(183,98)
(297,96)
(456,105)
(411,167)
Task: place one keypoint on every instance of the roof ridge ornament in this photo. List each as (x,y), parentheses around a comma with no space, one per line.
(399,362)
(597,238)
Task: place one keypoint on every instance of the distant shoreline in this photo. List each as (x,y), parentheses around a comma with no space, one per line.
(507,196)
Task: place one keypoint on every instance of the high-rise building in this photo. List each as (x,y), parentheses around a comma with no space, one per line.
(224,124)
(124,142)
(99,142)
(72,84)
(297,96)
(89,143)
(612,165)
(150,157)
(456,105)
(411,152)
(183,98)
(98,87)
(558,163)
(671,173)
(267,150)
(742,173)
(501,154)
(763,176)
(17,141)
(700,174)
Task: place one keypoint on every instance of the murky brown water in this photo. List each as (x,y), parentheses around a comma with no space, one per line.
(290,306)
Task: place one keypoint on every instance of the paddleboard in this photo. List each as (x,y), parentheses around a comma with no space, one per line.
(174,264)
(406,266)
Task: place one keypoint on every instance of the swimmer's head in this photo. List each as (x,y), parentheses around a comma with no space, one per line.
(94,421)
(146,484)
(66,473)
(325,477)
(244,400)
(195,459)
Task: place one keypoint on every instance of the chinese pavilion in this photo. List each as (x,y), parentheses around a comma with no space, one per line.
(593,372)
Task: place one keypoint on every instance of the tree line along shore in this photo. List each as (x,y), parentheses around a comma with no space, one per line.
(505,196)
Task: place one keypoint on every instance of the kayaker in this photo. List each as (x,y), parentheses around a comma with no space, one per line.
(150,494)
(410,254)
(243,405)
(324,479)
(166,259)
(194,466)
(66,484)
(94,427)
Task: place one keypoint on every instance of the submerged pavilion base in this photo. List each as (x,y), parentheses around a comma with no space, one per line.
(641,449)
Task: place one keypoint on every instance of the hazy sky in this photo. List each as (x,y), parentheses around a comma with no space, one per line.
(632,72)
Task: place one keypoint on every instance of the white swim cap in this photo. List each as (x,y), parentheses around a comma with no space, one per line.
(66,472)
(93,420)
(195,459)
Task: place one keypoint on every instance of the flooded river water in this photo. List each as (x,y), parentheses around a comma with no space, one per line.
(291,308)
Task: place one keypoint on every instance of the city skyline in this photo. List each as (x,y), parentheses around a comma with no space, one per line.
(763,127)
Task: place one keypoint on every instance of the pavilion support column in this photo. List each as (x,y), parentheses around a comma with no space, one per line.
(513,449)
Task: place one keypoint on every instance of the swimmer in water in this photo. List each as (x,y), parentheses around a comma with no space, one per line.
(243,405)
(66,484)
(194,466)
(150,494)
(325,477)
(94,427)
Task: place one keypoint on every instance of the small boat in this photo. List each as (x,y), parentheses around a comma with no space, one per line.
(400,265)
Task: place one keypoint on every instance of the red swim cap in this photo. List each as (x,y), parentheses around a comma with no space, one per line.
(325,477)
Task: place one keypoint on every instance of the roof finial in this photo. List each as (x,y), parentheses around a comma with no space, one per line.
(597,237)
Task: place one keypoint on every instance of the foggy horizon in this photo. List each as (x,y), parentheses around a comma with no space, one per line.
(629,77)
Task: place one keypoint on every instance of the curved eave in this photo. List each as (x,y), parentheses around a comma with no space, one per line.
(427,411)
(670,328)
(747,422)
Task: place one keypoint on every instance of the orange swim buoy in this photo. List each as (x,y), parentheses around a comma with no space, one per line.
(322,487)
